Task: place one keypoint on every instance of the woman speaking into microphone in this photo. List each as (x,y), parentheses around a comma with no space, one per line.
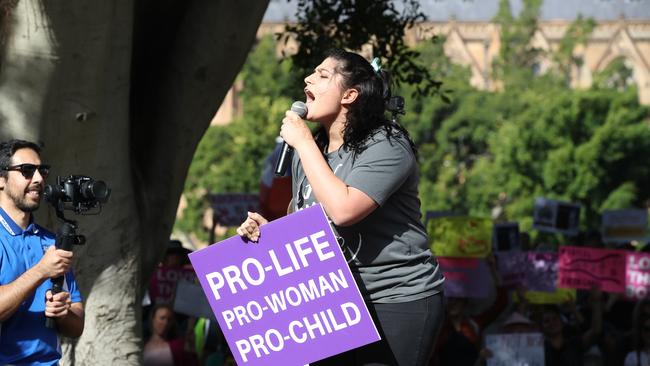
(362,168)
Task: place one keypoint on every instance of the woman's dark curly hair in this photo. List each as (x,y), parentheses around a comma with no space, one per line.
(367,113)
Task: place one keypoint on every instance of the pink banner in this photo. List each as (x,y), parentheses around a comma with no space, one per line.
(586,267)
(637,281)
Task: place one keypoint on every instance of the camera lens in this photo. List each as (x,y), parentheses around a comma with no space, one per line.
(51,193)
(94,190)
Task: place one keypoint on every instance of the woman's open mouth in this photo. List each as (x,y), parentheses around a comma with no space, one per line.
(309,96)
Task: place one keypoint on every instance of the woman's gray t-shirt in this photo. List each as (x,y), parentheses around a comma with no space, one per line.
(388,250)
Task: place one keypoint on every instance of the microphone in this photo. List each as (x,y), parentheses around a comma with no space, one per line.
(287,152)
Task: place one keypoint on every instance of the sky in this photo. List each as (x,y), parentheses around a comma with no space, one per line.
(483,10)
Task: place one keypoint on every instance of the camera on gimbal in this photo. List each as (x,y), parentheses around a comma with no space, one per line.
(78,193)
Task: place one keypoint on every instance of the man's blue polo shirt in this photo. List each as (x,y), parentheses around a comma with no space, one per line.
(24,339)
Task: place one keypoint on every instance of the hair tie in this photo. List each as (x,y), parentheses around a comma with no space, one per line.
(376,65)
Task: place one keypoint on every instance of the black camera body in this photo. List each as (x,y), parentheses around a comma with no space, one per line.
(396,105)
(78,193)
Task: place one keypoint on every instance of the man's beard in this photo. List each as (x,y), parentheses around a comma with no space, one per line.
(25,206)
(23,203)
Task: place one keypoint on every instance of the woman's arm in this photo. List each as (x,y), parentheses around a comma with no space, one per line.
(344,205)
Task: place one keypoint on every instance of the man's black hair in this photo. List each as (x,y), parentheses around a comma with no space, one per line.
(9,148)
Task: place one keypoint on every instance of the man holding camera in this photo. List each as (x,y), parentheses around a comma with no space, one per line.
(28,262)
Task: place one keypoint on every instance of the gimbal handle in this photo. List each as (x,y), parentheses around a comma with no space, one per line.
(66,237)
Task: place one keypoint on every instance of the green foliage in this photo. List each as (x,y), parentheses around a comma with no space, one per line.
(578,146)
(534,138)
(514,66)
(353,25)
(577,34)
(617,75)
(264,74)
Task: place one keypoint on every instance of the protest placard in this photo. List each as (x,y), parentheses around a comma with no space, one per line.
(541,274)
(460,236)
(229,209)
(535,271)
(164,280)
(505,237)
(555,216)
(623,226)
(520,349)
(584,268)
(637,277)
(466,277)
(289,299)
(190,300)
(512,266)
(559,296)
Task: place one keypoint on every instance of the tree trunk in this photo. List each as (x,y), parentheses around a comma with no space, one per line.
(121,91)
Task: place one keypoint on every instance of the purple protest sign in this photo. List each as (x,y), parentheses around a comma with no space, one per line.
(465,277)
(289,299)
(542,271)
(229,209)
(512,266)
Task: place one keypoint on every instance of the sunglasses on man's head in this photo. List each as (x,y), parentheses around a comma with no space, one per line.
(28,170)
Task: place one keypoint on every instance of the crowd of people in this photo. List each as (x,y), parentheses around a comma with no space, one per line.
(593,328)
(172,337)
